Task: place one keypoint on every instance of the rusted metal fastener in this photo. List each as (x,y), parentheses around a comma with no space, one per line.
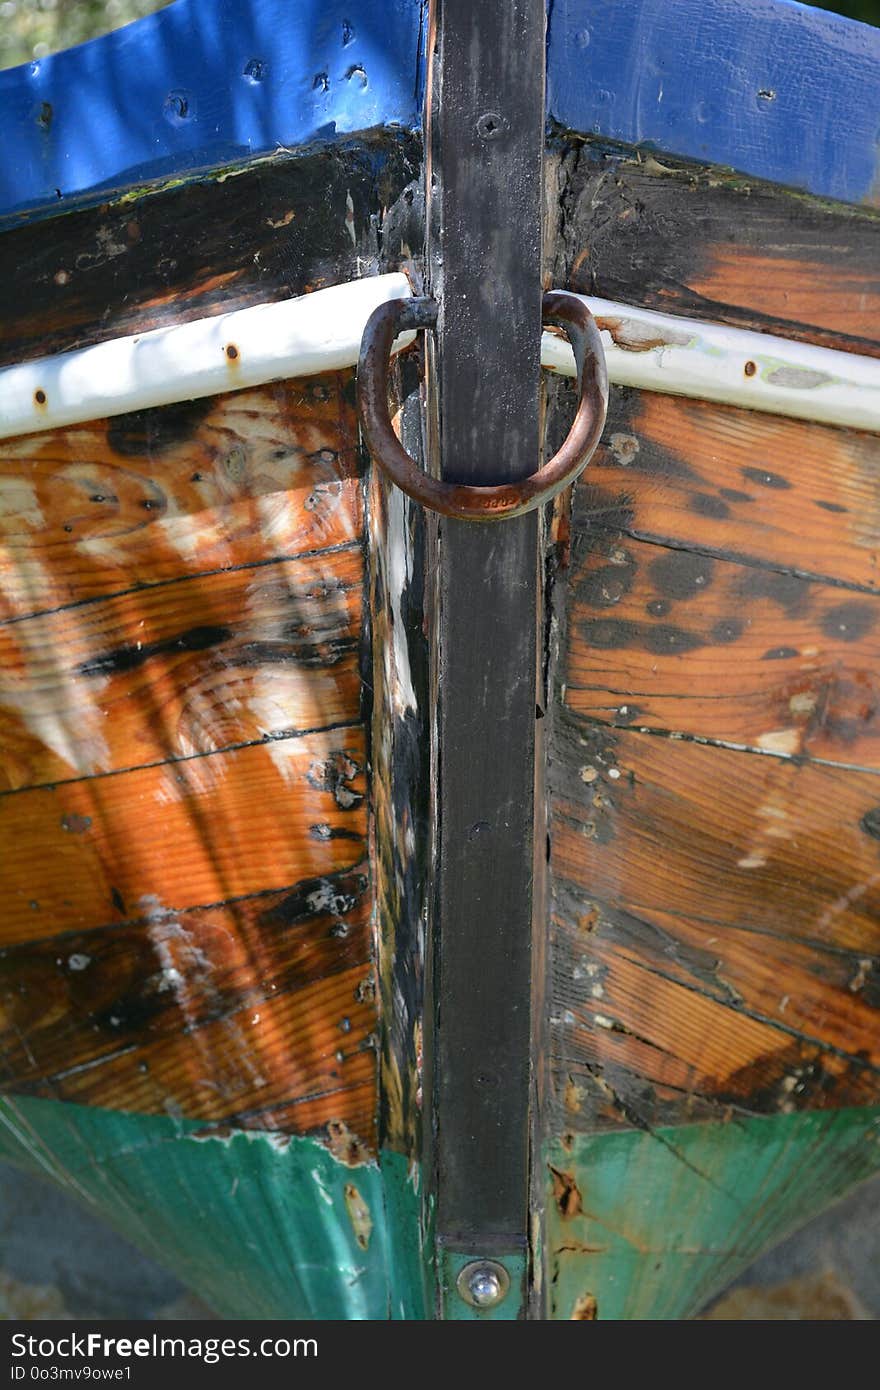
(463,500)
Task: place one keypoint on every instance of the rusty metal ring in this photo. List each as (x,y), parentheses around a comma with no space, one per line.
(463,500)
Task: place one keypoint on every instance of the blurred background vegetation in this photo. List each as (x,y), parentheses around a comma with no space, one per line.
(32,28)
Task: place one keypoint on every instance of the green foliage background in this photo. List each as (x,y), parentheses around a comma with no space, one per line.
(31,28)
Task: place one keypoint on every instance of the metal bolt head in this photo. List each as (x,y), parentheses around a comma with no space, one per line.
(491,126)
(483,1283)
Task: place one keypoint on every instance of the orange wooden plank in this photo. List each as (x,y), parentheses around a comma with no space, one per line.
(785,494)
(715,934)
(681,642)
(181,668)
(198,832)
(104,508)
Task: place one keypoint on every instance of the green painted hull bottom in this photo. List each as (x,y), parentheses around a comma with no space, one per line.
(262,1226)
(659,1222)
(259,1225)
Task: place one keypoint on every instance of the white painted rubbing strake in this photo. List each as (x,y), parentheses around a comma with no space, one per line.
(321,332)
(712,362)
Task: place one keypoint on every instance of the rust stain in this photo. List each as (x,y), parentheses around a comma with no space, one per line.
(586,1308)
(344,1145)
(574,1096)
(566,1193)
(634,336)
(358,1215)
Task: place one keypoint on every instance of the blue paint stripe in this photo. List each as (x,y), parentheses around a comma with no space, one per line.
(768,87)
(201,84)
(772,88)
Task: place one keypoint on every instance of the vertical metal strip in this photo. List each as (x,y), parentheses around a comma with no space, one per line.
(484,141)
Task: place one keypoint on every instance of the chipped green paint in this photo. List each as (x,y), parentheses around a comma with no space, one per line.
(652,1224)
(260,1225)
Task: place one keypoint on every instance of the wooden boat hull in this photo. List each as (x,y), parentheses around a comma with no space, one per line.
(216,715)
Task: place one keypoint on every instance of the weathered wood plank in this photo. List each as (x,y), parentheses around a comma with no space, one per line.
(679,642)
(717,930)
(714,946)
(207,485)
(75,998)
(280,228)
(193,833)
(700,243)
(210,1014)
(783,494)
(768,844)
(242,1064)
(182,668)
(400,785)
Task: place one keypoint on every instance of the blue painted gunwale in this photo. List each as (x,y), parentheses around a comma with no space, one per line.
(201,85)
(774,89)
(771,88)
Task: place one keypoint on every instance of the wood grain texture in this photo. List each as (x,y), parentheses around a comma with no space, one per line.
(140,981)
(187,882)
(715,807)
(284,226)
(182,596)
(212,995)
(781,495)
(713,246)
(146,498)
(716,930)
(213,827)
(181,668)
(678,642)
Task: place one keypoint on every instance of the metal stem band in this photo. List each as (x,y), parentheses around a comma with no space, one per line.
(463,500)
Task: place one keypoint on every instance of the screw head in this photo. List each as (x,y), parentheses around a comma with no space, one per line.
(483,1283)
(491,126)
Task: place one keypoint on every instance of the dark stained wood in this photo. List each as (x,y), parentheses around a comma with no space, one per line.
(143,499)
(400,783)
(243,1063)
(217,1012)
(484,133)
(710,246)
(712,770)
(195,937)
(678,642)
(284,226)
(716,933)
(714,939)
(785,495)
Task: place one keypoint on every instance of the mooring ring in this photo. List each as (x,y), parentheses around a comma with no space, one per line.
(467,501)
